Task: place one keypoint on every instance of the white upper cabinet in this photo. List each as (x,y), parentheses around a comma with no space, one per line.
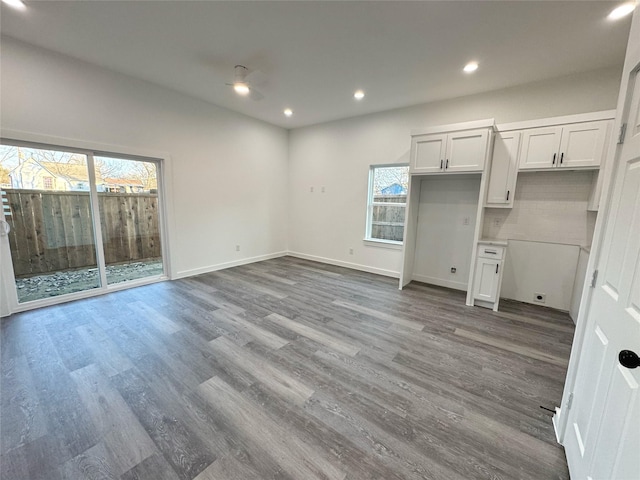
(428,152)
(466,151)
(583,144)
(463,151)
(504,170)
(579,145)
(540,148)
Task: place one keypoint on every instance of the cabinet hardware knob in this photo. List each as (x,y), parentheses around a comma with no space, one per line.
(441,162)
(497,266)
(507,195)
(447,165)
(561,157)
(554,159)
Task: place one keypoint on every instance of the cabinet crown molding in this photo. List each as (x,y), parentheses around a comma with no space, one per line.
(456,127)
(553,121)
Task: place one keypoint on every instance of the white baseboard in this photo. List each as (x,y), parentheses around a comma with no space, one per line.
(314,258)
(222,266)
(340,263)
(556,425)
(440,282)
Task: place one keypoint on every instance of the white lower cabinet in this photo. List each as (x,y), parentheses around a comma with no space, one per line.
(488,276)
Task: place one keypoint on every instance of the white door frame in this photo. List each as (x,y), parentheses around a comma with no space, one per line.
(166,217)
(560,419)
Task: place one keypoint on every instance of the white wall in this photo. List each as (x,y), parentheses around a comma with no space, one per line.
(539,267)
(443,238)
(548,207)
(228,181)
(578,285)
(338,154)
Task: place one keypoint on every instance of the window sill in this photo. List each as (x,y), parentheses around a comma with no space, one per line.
(374,242)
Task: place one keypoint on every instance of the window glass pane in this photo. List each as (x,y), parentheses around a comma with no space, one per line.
(46,202)
(389,185)
(129,218)
(387,222)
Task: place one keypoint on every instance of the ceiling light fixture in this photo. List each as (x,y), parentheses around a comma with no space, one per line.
(621,11)
(471,67)
(359,95)
(241,88)
(17,4)
(288,112)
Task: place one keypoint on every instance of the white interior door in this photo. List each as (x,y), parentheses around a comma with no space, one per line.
(602,440)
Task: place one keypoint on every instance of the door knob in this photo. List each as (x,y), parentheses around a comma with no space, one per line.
(629,359)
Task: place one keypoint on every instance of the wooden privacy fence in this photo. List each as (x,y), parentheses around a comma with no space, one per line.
(388,220)
(52,231)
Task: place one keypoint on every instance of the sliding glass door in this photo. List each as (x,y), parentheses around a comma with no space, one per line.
(56,203)
(128,205)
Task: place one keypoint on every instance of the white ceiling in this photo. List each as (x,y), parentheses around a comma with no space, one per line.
(314,54)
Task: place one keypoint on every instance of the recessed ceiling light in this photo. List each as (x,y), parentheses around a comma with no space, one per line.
(359,95)
(621,11)
(241,88)
(471,67)
(288,112)
(17,4)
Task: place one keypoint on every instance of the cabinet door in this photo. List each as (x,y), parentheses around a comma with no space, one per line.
(540,148)
(583,144)
(485,285)
(466,151)
(427,153)
(504,170)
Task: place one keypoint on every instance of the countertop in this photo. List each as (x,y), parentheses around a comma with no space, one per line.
(497,243)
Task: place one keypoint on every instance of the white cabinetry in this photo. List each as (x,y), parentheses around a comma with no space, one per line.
(579,145)
(540,148)
(488,276)
(455,149)
(463,151)
(427,153)
(504,170)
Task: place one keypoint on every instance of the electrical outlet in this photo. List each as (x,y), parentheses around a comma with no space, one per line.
(237,248)
(540,297)
(466,221)
(322,189)
(453,269)
(351,251)
(311,189)
(497,222)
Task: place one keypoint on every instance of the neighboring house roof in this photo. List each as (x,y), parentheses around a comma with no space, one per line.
(393,189)
(69,171)
(124,181)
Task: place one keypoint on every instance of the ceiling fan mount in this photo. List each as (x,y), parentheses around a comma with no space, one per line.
(242,85)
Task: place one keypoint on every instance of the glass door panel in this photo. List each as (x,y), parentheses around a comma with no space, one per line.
(47,204)
(129,218)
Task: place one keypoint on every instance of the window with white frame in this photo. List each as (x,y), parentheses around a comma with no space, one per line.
(387,203)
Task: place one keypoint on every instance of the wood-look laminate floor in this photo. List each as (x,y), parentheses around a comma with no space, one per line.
(283,369)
